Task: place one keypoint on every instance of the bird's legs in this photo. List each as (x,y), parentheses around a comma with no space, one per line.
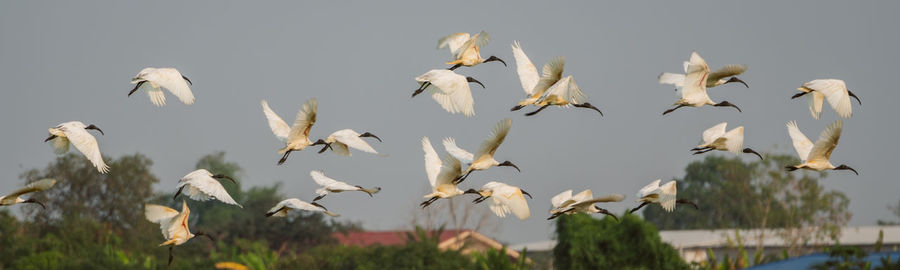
(171,256)
(703,150)
(516,108)
(327,145)
(367,134)
(319,197)
(683,201)
(454,67)
(428,202)
(462,177)
(177,193)
(421,88)
(799,95)
(589,106)
(673,109)
(538,110)
(639,207)
(560,213)
(136,86)
(727,104)
(50,138)
(284,158)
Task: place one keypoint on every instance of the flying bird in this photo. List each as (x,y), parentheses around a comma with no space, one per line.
(815,156)
(174,225)
(39,185)
(693,93)
(548,89)
(340,140)
(285,206)
(449,89)
(506,199)
(441,174)
(835,91)
(565,203)
(296,137)
(714,79)
(202,185)
(75,133)
(330,185)
(465,49)
(152,79)
(484,158)
(663,195)
(715,138)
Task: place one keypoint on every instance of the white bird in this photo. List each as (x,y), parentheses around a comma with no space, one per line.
(548,89)
(296,137)
(663,195)
(832,89)
(151,79)
(506,199)
(39,185)
(75,132)
(484,158)
(715,138)
(440,174)
(816,156)
(330,185)
(714,79)
(340,140)
(202,186)
(174,225)
(285,206)
(449,89)
(465,49)
(565,203)
(694,91)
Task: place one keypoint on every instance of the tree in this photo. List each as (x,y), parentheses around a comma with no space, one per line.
(584,242)
(760,195)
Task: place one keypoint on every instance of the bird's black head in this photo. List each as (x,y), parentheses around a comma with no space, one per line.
(728,104)
(92,126)
(470,79)
(35,202)
(735,79)
(750,151)
(526,193)
(845,167)
(509,164)
(220,176)
(494,58)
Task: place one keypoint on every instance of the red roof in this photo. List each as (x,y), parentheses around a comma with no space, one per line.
(384,238)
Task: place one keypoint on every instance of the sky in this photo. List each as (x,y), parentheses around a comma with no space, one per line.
(63,61)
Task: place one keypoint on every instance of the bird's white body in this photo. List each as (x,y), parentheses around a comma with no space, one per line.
(550,88)
(834,90)
(74,133)
(200,185)
(14,197)
(506,199)
(582,202)
(664,195)
(815,156)
(465,48)
(168,78)
(295,137)
(718,139)
(441,173)
(693,91)
(450,90)
(330,185)
(285,206)
(715,78)
(174,224)
(342,140)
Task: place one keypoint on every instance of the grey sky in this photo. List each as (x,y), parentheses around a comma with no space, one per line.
(66,60)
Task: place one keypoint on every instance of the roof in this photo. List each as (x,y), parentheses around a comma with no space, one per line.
(385,238)
(805,262)
(852,236)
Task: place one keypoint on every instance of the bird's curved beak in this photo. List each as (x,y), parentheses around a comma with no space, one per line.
(750,151)
(494,58)
(470,79)
(526,193)
(220,176)
(845,167)
(186,79)
(854,96)
(510,164)
(516,108)
(92,126)
(367,134)
(735,79)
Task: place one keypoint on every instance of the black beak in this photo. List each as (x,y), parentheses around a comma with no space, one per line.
(177,193)
(367,134)
(526,193)
(136,86)
(735,79)
(510,164)
(516,108)
(750,151)
(35,202)
(854,96)
(327,145)
(50,138)
(421,88)
(845,167)
(319,206)
(470,79)
(799,95)
(726,103)
(207,235)
(220,176)
(92,126)
(186,79)
(589,106)
(494,58)
(608,213)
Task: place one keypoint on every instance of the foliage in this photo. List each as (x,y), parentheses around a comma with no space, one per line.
(587,243)
(497,259)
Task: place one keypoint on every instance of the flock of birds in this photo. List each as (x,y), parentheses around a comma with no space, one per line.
(451,91)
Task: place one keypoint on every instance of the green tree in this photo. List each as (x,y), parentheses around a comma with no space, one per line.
(584,242)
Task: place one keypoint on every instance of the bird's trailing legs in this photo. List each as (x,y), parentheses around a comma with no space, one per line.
(516,108)
(327,145)
(538,110)
(454,67)
(50,138)
(750,151)
(177,193)
(673,109)
(639,207)
(683,201)
(799,95)
(727,104)
(367,134)
(421,88)
(462,177)
(171,257)
(284,158)
(557,214)
(589,106)
(428,202)
(136,86)
(319,197)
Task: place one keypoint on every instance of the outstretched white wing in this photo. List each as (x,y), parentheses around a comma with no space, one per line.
(450,90)
(672,78)
(199,185)
(459,153)
(490,145)
(726,71)
(801,144)
(39,185)
(450,170)
(648,189)
(667,196)
(560,199)
(454,41)
(509,199)
(528,74)
(710,135)
(330,183)
(351,138)
(306,117)
(828,140)
(172,80)
(432,162)
(835,92)
(551,73)
(278,126)
(158,213)
(695,79)
(86,143)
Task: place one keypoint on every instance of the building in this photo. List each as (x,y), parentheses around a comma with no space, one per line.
(469,240)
